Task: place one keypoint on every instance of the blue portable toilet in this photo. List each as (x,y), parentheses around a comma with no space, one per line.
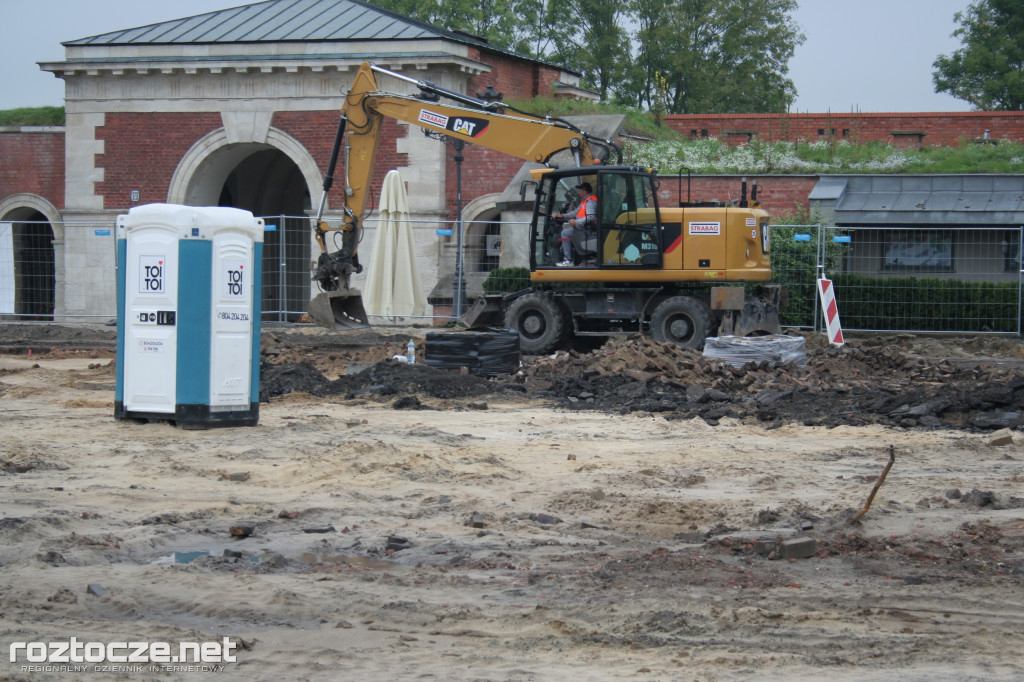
(188,315)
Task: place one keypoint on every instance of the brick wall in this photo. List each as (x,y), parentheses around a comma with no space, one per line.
(315,130)
(485,171)
(910,130)
(132,161)
(141,152)
(780,195)
(32,161)
(129,139)
(511,76)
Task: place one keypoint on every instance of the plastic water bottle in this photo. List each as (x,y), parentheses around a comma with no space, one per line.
(410,352)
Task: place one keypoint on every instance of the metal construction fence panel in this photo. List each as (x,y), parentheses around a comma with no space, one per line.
(887,278)
(794,257)
(286,273)
(925,279)
(27,270)
(451,270)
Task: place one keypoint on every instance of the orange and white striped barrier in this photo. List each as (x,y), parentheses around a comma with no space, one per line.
(827,294)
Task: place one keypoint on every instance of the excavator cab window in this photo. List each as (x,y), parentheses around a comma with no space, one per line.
(628,231)
(630,227)
(555,196)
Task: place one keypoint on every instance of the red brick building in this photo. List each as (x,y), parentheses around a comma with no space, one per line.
(239,108)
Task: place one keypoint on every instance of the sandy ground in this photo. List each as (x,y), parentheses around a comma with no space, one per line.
(505,541)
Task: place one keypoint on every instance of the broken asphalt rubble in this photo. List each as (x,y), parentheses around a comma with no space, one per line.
(869,383)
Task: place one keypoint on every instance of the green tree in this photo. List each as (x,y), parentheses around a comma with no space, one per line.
(988,70)
(655,27)
(588,36)
(510,24)
(690,55)
(716,55)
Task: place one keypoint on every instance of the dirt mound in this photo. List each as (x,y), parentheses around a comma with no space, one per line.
(331,354)
(854,385)
(969,383)
(847,385)
(16,338)
(385,379)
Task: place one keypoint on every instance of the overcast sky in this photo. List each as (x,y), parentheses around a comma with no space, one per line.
(869,55)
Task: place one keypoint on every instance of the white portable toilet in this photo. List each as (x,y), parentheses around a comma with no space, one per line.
(188,315)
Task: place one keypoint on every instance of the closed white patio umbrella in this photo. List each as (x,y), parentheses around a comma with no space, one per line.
(393,287)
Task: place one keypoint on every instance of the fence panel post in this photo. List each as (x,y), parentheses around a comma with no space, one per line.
(1020,273)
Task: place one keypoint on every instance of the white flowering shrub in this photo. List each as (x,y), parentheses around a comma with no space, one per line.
(710,155)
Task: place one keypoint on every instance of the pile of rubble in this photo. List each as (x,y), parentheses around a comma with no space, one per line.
(849,385)
(869,383)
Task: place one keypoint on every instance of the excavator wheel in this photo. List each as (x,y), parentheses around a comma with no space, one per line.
(542,322)
(681,320)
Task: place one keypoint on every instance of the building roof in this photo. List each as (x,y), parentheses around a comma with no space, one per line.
(924,199)
(287,21)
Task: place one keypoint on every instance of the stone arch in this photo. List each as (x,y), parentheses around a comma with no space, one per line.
(268,172)
(16,206)
(480,223)
(205,167)
(31,244)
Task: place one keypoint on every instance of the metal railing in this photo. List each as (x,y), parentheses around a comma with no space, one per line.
(887,278)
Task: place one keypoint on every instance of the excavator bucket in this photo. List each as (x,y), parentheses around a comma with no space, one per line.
(487,311)
(339,310)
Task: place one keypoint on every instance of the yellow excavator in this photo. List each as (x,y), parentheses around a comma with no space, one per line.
(636,267)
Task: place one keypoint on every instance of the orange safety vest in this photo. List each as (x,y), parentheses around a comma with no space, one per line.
(581,212)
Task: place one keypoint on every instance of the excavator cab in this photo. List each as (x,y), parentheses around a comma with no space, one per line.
(628,233)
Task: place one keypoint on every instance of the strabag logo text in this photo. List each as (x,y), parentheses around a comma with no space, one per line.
(706,228)
(439,120)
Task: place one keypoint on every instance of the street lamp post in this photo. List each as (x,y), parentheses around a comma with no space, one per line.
(460,279)
(459,293)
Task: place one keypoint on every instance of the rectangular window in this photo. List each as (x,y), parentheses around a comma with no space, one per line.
(629,222)
(918,250)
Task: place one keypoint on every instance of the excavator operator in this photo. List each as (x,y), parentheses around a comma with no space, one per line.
(585,219)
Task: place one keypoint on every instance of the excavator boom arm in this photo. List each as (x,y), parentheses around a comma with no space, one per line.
(531,138)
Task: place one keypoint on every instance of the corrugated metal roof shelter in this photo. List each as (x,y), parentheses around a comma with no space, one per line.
(922,199)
